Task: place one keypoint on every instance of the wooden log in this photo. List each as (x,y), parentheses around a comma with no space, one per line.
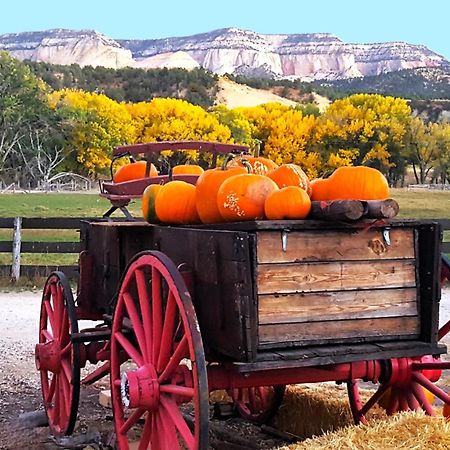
(380,209)
(337,210)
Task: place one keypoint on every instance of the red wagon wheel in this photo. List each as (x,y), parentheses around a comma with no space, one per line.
(57,358)
(408,385)
(164,379)
(258,404)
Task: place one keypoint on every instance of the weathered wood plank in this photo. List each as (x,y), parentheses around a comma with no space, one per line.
(335,276)
(303,333)
(315,307)
(335,245)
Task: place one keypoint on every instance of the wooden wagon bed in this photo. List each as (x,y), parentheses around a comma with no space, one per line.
(295,293)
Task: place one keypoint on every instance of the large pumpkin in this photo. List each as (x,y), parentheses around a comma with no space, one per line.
(187,169)
(319,189)
(259,164)
(208,185)
(290,175)
(357,183)
(242,197)
(175,203)
(133,171)
(290,202)
(148,202)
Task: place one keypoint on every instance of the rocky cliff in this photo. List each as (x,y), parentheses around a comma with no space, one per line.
(231,50)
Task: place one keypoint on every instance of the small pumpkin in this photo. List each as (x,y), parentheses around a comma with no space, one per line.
(259,164)
(187,169)
(357,183)
(208,185)
(290,175)
(175,203)
(290,202)
(148,202)
(133,171)
(319,189)
(242,197)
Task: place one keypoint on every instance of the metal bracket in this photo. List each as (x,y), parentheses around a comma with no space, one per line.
(284,240)
(386,236)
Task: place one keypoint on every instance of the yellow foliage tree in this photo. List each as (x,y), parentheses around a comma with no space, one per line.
(165,119)
(373,124)
(100,125)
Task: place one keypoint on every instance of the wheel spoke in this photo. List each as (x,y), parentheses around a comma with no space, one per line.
(180,353)
(131,420)
(393,404)
(65,384)
(166,346)
(64,329)
(412,401)
(173,389)
(252,400)
(177,419)
(51,316)
(443,365)
(421,397)
(66,350)
(427,384)
(67,369)
(56,308)
(48,336)
(137,325)
(147,433)
(129,348)
(167,429)
(374,399)
(144,301)
(51,391)
(157,314)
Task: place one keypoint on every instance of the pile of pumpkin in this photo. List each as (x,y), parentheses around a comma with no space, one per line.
(249,188)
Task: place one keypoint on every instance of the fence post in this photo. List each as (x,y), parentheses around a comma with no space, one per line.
(17,243)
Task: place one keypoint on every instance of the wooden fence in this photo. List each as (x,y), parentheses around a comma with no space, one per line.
(17,246)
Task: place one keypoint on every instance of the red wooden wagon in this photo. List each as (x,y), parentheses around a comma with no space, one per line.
(243,307)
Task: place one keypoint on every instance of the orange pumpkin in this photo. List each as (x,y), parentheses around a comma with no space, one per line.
(208,185)
(319,189)
(290,202)
(148,202)
(259,164)
(290,175)
(357,183)
(242,197)
(175,203)
(133,171)
(187,169)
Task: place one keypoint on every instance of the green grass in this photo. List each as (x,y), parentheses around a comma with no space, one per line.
(414,204)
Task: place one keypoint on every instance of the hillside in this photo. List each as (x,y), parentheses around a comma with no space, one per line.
(304,56)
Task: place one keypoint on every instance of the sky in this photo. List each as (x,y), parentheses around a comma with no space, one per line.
(413,21)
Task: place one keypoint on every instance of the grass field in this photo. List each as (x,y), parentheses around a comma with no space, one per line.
(423,204)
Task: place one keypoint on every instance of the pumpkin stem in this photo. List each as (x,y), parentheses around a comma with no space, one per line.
(256,150)
(247,165)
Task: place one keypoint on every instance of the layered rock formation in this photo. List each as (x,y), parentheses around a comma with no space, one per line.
(231,50)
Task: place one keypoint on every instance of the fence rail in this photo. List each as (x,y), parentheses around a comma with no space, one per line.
(17,247)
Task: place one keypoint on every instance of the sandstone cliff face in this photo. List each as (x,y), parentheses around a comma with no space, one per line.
(306,56)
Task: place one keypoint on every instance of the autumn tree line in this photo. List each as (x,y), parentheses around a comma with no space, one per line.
(44,131)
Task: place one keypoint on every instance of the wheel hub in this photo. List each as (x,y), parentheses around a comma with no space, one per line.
(402,370)
(48,356)
(140,388)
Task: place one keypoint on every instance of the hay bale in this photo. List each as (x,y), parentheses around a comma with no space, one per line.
(411,430)
(313,409)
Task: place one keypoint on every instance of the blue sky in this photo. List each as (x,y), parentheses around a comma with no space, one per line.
(413,21)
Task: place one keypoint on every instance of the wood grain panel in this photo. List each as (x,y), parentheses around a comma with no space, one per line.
(314,307)
(334,245)
(334,276)
(304,333)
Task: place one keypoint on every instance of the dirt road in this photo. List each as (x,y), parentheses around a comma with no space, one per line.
(19,382)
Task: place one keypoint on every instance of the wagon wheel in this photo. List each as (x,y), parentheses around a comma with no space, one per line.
(408,386)
(57,358)
(164,379)
(258,404)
